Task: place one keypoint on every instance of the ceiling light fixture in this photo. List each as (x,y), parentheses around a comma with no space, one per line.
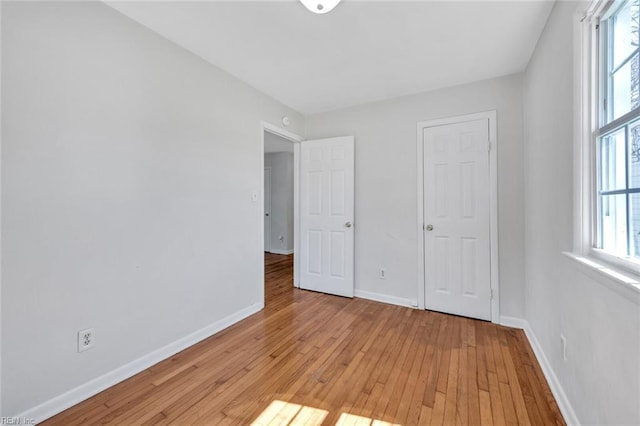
(320,6)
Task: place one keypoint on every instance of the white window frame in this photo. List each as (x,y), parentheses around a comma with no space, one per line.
(586,125)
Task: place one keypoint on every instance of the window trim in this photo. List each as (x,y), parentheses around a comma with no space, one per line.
(587,114)
(603,40)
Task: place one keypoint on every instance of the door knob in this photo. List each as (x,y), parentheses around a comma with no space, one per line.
(428,228)
(348,225)
(266,214)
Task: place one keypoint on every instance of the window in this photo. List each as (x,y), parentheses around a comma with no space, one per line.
(617,135)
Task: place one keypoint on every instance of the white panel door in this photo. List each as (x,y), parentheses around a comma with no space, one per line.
(267,209)
(457,219)
(326,215)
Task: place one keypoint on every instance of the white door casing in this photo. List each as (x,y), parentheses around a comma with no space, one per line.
(457,240)
(267,209)
(266,127)
(326,215)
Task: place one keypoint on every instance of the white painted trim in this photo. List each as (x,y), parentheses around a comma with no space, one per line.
(267,244)
(582,87)
(493,195)
(513,322)
(1,413)
(384,298)
(296,139)
(556,387)
(279,131)
(285,252)
(622,282)
(296,213)
(420,214)
(74,396)
(552,380)
(491,116)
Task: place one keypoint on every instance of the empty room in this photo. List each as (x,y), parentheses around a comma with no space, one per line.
(320,212)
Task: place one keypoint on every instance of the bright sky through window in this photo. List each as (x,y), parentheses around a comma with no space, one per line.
(618,136)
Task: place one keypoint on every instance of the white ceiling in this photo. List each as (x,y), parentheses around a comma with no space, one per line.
(360,52)
(274,143)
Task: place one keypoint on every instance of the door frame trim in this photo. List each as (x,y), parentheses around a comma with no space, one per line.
(491,116)
(296,139)
(267,244)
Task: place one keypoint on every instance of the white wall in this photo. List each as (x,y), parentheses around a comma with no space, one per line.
(127,171)
(602,374)
(281,164)
(385,217)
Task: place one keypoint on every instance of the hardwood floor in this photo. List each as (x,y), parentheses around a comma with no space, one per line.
(311,359)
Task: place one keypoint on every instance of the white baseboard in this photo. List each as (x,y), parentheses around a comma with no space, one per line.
(556,388)
(68,399)
(285,252)
(384,298)
(513,322)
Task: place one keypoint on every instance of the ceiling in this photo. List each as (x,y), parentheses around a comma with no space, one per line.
(274,143)
(362,51)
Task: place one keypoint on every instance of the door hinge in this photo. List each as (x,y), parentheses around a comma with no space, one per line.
(489,146)
(491,294)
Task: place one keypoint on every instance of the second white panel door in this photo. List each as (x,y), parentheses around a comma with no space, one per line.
(457,219)
(326,215)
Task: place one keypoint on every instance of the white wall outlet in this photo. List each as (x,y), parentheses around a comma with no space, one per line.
(563,342)
(86,339)
(382,273)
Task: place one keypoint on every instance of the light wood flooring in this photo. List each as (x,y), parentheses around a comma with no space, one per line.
(311,359)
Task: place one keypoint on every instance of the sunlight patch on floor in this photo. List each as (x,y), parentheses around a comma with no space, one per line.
(288,414)
(353,420)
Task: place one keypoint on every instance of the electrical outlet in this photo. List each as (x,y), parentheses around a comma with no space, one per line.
(382,273)
(86,339)
(563,341)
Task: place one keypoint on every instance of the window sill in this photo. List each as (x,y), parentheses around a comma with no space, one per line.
(625,283)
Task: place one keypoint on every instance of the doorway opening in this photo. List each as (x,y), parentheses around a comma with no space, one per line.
(322,233)
(280,172)
(278,195)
